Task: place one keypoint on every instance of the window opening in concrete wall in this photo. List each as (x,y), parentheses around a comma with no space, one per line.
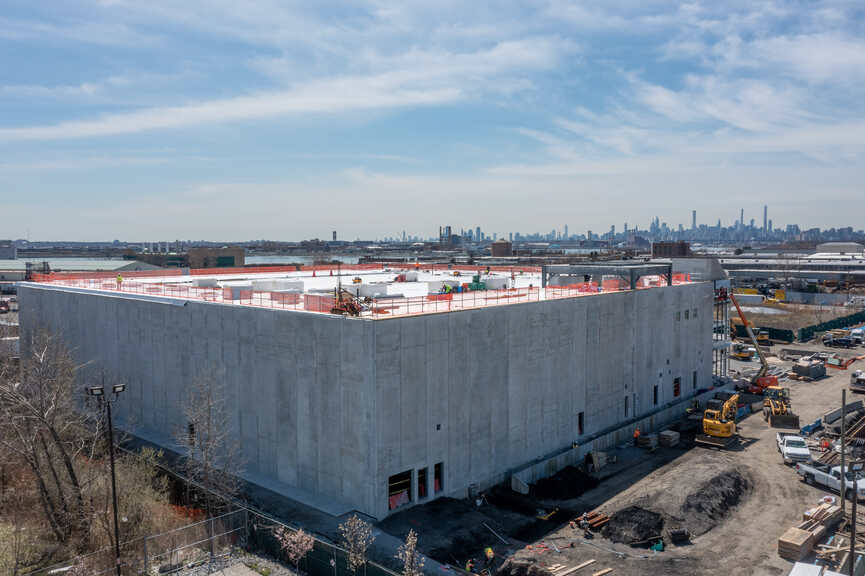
(190,433)
(694,379)
(581,422)
(655,395)
(687,313)
(438,478)
(421,484)
(677,386)
(626,406)
(399,489)
(694,313)
(678,315)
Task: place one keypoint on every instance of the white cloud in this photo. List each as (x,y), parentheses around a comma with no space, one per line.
(414,79)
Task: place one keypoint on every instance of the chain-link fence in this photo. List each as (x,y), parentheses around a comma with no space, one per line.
(207,546)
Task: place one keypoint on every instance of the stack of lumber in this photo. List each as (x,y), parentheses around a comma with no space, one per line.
(795,544)
(668,438)
(648,441)
(597,520)
(798,541)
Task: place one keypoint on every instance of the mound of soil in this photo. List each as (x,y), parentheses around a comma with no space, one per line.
(514,567)
(707,506)
(633,524)
(569,482)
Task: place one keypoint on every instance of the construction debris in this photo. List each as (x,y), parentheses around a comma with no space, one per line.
(798,541)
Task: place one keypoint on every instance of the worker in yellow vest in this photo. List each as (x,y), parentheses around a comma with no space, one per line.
(119,281)
(636,436)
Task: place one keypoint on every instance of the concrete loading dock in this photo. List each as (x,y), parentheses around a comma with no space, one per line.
(354,413)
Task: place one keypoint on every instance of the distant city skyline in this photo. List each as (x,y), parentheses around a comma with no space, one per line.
(266,119)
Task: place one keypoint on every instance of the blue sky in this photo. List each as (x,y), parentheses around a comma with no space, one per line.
(272,119)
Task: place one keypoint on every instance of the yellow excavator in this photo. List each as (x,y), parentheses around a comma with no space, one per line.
(719,424)
(777,410)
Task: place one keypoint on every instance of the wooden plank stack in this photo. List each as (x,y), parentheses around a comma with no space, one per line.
(597,520)
(668,438)
(798,541)
(649,441)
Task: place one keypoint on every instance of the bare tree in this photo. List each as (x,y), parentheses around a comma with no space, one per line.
(295,544)
(412,561)
(213,456)
(356,536)
(40,425)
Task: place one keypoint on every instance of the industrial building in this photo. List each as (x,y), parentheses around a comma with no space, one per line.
(445,381)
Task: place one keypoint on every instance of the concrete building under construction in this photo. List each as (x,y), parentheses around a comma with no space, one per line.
(436,387)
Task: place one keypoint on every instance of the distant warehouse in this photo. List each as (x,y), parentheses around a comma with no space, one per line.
(435,382)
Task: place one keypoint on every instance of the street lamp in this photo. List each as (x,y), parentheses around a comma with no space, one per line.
(98,392)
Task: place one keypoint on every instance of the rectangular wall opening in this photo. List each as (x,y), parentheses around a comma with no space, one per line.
(655,395)
(581,422)
(421,484)
(399,490)
(626,406)
(694,378)
(677,386)
(438,478)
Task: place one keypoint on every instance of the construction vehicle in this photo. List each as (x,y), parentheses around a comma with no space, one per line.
(777,410)
(857,381)
(719,424)
(763,338)
(762,379)
(742,351)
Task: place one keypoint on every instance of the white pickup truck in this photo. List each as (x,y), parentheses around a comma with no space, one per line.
(821,475)
(857,381)
(793,448)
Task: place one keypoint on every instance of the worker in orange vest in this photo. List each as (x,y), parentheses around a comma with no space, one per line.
(636,435)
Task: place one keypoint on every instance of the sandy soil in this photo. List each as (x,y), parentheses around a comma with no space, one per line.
(792,316)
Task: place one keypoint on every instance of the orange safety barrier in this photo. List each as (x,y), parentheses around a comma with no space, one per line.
(374,308)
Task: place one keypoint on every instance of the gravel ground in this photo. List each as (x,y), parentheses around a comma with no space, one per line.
(742,542)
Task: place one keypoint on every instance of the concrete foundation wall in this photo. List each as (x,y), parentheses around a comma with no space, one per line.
(328,408)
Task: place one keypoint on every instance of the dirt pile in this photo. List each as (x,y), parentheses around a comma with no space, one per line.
(515,567)
(569,482)
(633,524)
(707,506)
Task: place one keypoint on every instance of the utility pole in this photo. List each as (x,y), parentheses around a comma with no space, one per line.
(843,423)
(853,527)
(99,393)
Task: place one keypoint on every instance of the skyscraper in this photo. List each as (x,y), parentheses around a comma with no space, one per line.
(477,234)
(765,217)
(566,232)
(742,219)
(693,219)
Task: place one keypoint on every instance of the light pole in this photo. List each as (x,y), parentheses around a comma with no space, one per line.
(99,393)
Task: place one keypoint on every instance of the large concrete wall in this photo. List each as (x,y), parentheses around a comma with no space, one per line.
(299,385)
(487,391)
(328,408)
